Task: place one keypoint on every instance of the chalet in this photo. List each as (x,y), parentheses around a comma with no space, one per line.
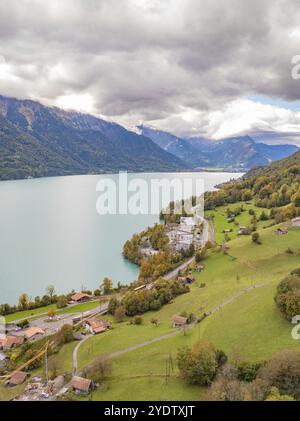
(81,386)
(178,321)
(33,333)
(296,222)
(95,326)
(18,378)
(80,297)
(10,342)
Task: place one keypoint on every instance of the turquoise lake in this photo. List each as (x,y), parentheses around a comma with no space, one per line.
(51,233)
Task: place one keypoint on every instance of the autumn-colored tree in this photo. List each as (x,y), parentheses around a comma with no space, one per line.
(120,314)
(52,312)
(107,285)
(23,301)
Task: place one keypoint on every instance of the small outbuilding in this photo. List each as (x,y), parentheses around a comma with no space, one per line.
(81,386)
(18,378)
(178,321)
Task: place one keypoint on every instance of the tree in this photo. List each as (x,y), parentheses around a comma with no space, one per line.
(62,301)
(256,238)
(50,290)
(248,371)
(23,301)
(64,335)
(154,321)
(120,314)
(137,320)
(112,305)
(100,369)
(283,372)
(52,312)
(107,285)
(274,395)
(197,365)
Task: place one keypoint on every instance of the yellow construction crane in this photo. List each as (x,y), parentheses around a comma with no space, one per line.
(40,353)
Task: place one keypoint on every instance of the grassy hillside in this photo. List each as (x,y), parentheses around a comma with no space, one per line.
(249,327)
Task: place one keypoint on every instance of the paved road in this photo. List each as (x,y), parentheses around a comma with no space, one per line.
(174,272)
(54,326)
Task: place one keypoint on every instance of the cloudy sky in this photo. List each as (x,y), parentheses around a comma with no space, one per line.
(194,67)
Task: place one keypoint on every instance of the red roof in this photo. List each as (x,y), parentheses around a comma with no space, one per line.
(80,383)
(18,378)
(79,296)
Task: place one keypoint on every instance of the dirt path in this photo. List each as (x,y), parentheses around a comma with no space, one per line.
(168,335)
(75,353)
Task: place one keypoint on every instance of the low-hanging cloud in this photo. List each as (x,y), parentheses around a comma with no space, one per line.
(183,66)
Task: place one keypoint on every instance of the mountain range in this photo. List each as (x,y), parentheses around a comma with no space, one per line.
(235,153)
(37,141)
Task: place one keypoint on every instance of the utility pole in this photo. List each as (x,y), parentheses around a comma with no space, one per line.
(46,366)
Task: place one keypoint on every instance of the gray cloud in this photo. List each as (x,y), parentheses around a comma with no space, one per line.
(148,60)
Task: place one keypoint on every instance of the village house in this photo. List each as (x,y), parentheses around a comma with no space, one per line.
(95,326)
(296,222)
(18,378)
(80,297)
(33,333)
(178,321)
(10,342)
(81,386)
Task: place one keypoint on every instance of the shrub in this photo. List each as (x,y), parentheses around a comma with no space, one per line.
(248,371)
(137,320)
(120,314)
(197,365)
(256,238)
(283,372)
